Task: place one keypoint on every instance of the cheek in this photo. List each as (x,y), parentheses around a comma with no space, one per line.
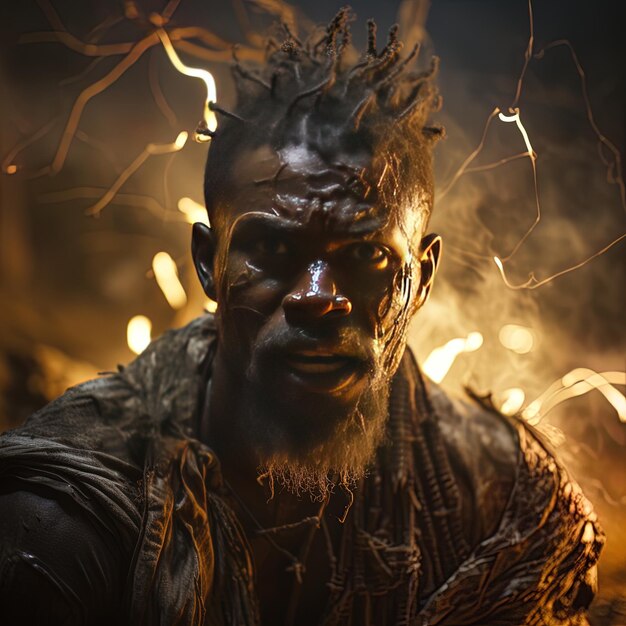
(247,296)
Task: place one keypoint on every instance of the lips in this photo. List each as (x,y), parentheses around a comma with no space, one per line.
(313,362)
(324,370)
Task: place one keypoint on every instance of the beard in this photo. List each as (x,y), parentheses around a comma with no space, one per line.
(311,442)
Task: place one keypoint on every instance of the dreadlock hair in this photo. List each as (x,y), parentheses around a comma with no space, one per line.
(308,94)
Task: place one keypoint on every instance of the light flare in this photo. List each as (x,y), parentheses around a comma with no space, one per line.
(209,119)
(575,383)
(139,333)
(513,400)
(440,360)
(193,211)
(166,275)
(516,338)
(210,306)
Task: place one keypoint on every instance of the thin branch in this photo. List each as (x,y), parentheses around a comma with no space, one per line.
(527,56)
(157,93)
(617,169)
(150,150)
(51,15)
(127,199)
(93,90)
(75,44)
(470,158)
(533,283)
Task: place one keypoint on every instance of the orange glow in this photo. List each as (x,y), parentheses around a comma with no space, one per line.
(138,333)
(210,121)
(210,306)
(193,211)
(166,275)
(516,338)
(440,360)
(513,401)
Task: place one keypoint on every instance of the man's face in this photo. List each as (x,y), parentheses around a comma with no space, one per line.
(316,280)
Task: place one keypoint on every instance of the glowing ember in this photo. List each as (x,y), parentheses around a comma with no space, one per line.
(166,274)
(11,169)
(193,211)
(513,401)
(209,119)
(440,360)
(138,333)
(516,338)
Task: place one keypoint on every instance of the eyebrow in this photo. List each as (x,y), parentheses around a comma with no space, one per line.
(262,219)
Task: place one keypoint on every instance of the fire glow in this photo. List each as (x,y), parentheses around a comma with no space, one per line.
(139,333)
(440,360)
(166,275)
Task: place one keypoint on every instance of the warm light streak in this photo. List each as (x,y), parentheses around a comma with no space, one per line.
(166,275)
(516,118)
(576,383)
(193,211)
(513,400)
(152,149)
(516,338)
(440,360)
(138,333)
(210,121)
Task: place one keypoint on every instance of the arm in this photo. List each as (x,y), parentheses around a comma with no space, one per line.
(55,566)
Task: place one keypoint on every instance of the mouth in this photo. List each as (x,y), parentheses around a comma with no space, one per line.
(322,370)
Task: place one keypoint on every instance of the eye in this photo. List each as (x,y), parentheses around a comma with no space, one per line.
(371,254)
(270,246)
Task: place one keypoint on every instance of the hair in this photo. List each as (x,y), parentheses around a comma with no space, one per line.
(308,92)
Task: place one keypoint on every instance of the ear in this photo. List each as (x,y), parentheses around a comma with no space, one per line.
(203,246)
(430,248)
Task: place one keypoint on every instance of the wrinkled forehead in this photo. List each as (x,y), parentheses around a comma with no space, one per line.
(341,197)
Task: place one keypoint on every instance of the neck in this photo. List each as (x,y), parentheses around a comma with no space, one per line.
(223,432)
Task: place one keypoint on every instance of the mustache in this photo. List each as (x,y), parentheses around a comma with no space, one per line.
(344,342)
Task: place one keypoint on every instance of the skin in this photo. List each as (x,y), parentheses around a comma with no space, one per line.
(316,279)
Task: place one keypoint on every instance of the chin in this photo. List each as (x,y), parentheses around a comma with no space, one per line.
(308,440)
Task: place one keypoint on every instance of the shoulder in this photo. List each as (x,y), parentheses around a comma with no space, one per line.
(109,414)
(55,565)
(484,451)
(537,540)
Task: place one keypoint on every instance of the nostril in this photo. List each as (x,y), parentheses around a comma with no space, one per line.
(341,305)
(299,307)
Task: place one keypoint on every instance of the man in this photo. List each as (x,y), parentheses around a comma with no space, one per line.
(286,462)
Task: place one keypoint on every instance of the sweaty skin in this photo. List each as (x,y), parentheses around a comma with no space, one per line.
(312,275)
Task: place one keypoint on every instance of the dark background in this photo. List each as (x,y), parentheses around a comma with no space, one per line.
(69,283)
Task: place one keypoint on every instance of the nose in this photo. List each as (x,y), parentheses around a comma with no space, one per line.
(314,298)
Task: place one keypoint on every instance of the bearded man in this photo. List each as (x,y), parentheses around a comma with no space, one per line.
(285,462)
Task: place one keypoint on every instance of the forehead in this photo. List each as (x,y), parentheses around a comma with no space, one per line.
(339,197)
